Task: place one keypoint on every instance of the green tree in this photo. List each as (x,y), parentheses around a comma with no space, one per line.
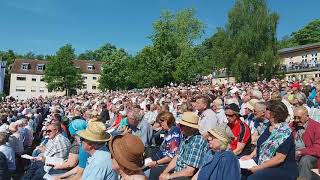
(309,34)
(248,44)
(61,74)
(171,52)
(115,73)
(87,55)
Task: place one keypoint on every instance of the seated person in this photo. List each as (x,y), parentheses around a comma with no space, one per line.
(306,133)
(127,161)
(219,162)
(241,145)
(72,161)
(170,145)
(57,146)
(275,151)
(190,152)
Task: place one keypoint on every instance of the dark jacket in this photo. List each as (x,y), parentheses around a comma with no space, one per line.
(4,172)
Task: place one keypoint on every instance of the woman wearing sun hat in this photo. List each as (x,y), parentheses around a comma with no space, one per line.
(127,157)
(220,162)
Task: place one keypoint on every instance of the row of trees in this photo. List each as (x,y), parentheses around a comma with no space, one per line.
(246,47)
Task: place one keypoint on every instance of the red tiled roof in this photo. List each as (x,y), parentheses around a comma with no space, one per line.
(16,67)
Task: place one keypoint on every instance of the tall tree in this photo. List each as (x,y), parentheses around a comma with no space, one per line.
(250,36)
(61,74)
(115,73)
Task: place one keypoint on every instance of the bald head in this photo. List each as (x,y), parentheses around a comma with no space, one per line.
(301,115)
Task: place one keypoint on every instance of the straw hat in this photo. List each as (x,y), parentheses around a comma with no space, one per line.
(190,119)
(128,151)
(95,132)
(221,134)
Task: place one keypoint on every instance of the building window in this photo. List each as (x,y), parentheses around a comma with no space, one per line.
(25,66)
(90,67)
(40,67)
(94,87)
(84,86)
(34,79)
(20,78)
(84,77)
(33,89)
(41,90)
(94,78)
(20,89)
(42,79)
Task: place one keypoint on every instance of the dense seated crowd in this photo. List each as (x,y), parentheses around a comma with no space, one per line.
(176,132)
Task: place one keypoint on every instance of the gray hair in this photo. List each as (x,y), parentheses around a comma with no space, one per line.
(256,93)
(301,98)
(261,106)
(136,114)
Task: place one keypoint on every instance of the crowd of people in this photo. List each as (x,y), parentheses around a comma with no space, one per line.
(193,132)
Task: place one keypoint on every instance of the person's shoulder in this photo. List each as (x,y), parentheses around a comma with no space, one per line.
(137,177)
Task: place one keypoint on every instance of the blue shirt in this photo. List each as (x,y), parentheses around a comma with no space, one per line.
(83,157)
(99,166)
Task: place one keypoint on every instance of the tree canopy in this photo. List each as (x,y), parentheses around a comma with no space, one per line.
(61,74)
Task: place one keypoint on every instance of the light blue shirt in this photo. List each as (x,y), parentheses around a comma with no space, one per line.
(99,166)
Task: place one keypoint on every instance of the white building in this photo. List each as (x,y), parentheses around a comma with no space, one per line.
(27,78)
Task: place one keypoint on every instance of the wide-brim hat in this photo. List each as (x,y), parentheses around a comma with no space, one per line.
(190,119)
(95,132)
(221,134)
(128,151)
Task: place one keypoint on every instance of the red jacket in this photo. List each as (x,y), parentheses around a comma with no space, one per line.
(311,139)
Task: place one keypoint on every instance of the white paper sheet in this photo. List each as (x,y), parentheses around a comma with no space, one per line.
(53,160)
(316,171)
(26,156)
(246,164)
(147,160)
(47,176)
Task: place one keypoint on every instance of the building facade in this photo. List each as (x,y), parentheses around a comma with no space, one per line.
(27,78)
(302,62)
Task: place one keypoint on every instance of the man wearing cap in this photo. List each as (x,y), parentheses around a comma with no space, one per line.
(207,117)
(241,145)
(190,152)
(99,164)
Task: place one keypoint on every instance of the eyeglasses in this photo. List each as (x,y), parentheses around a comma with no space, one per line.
(229,115)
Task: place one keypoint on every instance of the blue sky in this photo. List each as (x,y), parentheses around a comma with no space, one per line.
(42,26)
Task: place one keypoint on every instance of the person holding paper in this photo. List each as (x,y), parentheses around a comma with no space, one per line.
(275,151)
(171,142)
(220,162)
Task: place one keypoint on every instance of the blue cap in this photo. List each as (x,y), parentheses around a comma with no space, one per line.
(77,125)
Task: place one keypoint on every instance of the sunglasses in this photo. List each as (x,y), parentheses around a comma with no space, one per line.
(229,115)
(49,131)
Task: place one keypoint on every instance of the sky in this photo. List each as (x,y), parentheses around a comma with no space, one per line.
(43,26)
